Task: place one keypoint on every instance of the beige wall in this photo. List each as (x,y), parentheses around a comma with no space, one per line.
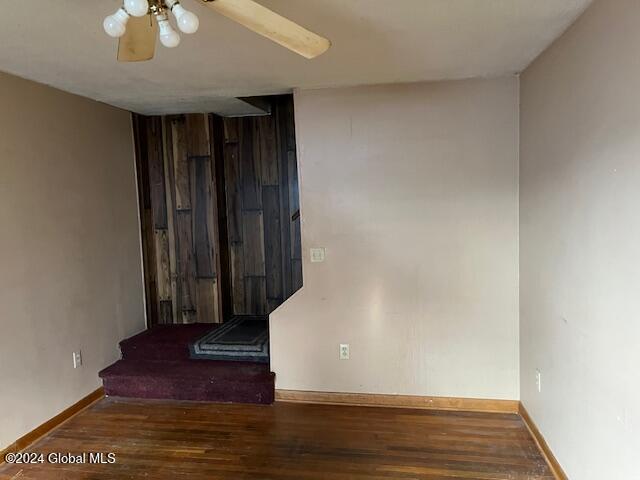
(69,249)
(580,243)
(413,191)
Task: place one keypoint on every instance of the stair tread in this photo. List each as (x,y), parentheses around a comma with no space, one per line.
(190,370)
(173,335)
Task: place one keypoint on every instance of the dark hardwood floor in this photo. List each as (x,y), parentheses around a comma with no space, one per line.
(181,440)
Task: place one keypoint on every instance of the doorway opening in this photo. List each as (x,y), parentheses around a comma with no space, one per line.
(221,234)
(220,212)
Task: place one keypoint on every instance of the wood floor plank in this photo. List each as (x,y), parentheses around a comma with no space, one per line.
(180,440)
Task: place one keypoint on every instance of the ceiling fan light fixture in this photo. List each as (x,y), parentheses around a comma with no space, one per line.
(136,8)
(168,36)
(138,33)
(187,21)
(116,25)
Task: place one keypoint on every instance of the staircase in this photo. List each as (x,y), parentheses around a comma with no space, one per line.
(156,364)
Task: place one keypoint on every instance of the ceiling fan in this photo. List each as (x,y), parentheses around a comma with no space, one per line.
(137,23)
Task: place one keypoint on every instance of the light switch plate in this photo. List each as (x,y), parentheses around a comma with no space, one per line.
(318,255)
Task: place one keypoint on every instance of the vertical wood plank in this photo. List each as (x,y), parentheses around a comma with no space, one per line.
(180,164)
(167,139)
(223,264)
(289,122)
(296,237)
(139,123)
(296,274)
(203,211)
(292,188)
(207,293)
(233,189)
(146,217)
(256,296)
(237,278)
(162,265)
(272,242)
(156,172)
(150,272)
(249,166)
(165,313)
(294,201)
(285,210)
(186,272)
(198,140)
(230,130)
(296,233)
(267,146)
(253,243)
(189,316)
(296,257)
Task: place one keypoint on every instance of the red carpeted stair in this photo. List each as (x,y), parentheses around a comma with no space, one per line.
(156,364)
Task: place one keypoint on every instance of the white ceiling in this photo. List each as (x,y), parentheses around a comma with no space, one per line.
(61,43)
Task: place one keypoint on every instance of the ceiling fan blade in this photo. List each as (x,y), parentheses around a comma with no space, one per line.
(271,25)
(139,42)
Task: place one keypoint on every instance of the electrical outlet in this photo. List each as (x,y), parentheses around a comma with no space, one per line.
(317,255)
(344,351)
(538,381)
(77,359)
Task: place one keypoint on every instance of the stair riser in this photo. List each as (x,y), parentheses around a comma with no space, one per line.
(161,353)
(175,389)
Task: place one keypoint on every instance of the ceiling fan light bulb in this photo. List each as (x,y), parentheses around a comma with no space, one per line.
(116,25)
(188,22)
(168,36)
(170,39)
(136,8)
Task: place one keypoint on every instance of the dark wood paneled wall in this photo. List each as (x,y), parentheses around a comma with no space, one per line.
(262,203)
(179,211)
(220,213)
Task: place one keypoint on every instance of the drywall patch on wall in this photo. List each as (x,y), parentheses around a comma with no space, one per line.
(412,191)
(70,277)
(580,118)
